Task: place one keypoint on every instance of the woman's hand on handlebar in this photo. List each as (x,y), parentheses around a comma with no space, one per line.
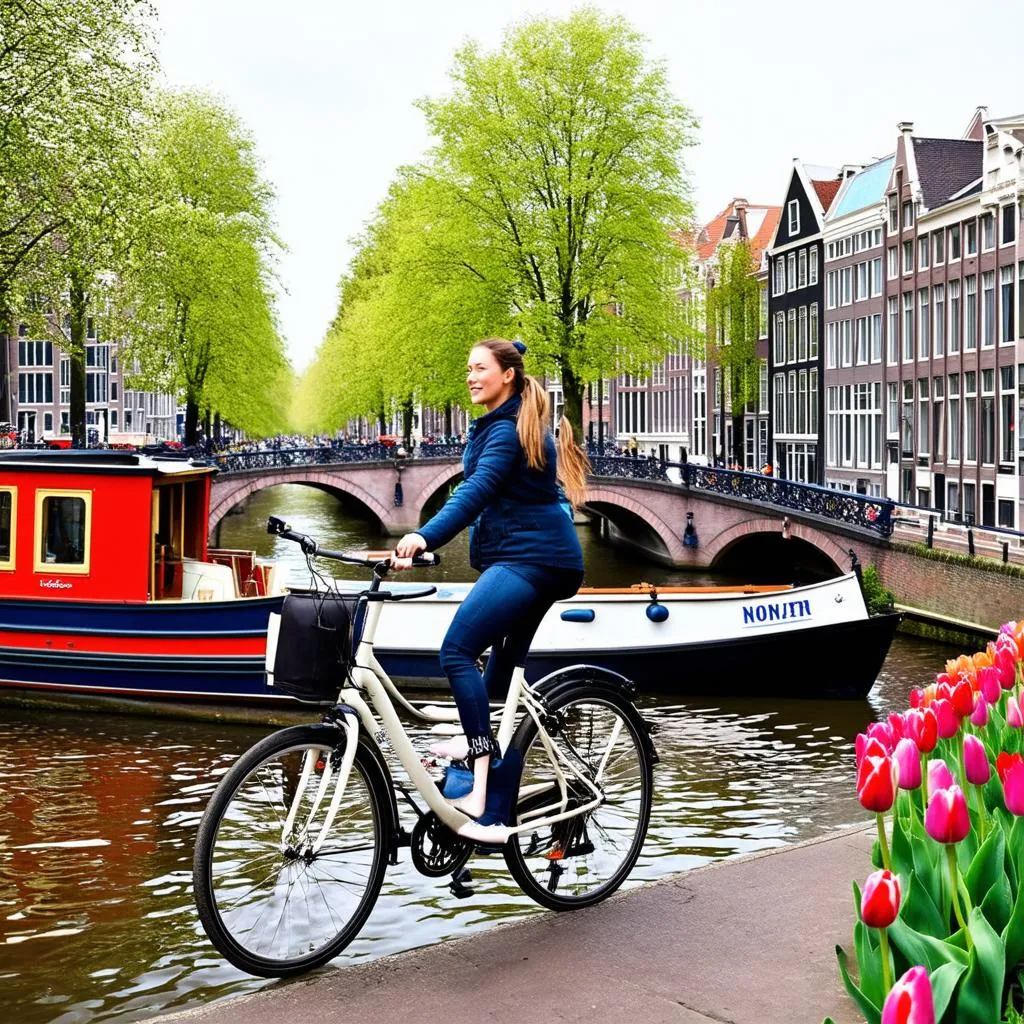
(406,549)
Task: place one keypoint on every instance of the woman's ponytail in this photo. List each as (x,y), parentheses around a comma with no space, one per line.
(532,419)
(573,465)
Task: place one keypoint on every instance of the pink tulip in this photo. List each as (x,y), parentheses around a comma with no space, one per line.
(883,732)
(946,819)
(976,765)
(922,727)
(869,746)
(916,697)
(979,716)
(946,718)
(1013,716)
(880,901)
(897,726)
(1013,786)
(939,775)
(908,761)
(989,684)
(876,783)
(910,1000)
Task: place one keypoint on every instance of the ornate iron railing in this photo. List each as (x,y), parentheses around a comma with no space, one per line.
(638,468)
(440,450)
(862,510)
(274,458)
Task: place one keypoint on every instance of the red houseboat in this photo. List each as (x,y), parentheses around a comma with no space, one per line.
(108,586)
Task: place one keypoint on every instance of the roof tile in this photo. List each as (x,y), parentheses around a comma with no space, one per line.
(945,166)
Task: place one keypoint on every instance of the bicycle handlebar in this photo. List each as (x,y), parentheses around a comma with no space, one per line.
(279,528)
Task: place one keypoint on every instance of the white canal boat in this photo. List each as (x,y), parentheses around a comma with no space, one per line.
(811,641)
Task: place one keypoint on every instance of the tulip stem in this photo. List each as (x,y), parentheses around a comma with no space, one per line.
(883,842)
(954,881)
(982,829)
(883,939)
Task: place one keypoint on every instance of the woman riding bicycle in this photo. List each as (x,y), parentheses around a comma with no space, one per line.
(522,540)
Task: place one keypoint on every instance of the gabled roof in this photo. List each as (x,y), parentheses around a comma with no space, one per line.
(826,191)
(863,189)
(945,166)
(739,219)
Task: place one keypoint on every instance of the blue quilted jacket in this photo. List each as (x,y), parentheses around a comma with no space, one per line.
(517,514)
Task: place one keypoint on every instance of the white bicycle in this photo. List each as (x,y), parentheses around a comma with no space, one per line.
(292,848)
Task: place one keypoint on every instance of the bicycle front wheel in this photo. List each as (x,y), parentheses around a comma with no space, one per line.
(580,861)
(289,856)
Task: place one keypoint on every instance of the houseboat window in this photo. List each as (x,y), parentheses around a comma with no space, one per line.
(62,531)
(8,508)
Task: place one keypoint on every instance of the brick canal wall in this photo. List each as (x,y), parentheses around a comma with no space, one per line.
(971,590)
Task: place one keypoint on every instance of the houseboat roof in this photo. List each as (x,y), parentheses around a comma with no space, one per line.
(99,461)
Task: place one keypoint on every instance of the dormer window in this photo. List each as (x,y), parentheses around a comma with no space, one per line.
(793,215)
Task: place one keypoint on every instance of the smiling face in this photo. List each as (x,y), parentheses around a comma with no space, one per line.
(489,385)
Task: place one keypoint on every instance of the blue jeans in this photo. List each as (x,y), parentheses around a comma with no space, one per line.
(502,611)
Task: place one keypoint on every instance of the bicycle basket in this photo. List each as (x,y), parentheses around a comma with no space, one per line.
(313,646)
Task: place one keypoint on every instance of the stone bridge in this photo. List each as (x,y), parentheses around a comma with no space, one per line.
(649,515)
(370,483)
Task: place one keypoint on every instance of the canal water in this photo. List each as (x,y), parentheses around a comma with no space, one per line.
(98,812)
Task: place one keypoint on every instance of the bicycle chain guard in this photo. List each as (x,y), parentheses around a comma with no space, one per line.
(436,850)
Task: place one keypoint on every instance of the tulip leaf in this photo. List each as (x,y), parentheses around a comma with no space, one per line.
(919,948)
(944,980)
(918,909)
(987,866)
(900,850)
(1013,934)
(981,994)
(869,961)
(998,904)
(872,1014)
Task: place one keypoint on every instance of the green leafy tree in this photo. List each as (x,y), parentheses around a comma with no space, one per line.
(70,74)
(200,285)
(732,305)
(558,191)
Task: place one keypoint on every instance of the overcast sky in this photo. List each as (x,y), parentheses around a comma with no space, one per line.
(327,88)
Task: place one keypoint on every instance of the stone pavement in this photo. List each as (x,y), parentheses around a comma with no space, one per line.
(748,940)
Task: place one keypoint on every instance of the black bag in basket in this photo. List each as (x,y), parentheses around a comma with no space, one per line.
(314,645)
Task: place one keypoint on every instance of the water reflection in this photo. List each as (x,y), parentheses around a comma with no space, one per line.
(98,815)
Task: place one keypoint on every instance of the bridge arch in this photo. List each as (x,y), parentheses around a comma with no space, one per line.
(718,546)
(598,495)
(226,497)
(426,491)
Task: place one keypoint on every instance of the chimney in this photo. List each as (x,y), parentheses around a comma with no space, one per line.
(905,127)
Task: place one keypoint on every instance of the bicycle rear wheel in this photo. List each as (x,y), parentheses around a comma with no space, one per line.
(276,893)
(581,861)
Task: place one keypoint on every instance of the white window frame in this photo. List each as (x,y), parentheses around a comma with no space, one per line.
(793,216)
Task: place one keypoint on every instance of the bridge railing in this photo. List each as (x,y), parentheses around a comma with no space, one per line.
(274,458)
(861,510)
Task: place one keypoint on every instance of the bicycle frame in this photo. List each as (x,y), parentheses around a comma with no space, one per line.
(368,676)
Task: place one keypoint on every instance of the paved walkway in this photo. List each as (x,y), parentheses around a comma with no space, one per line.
(744,941)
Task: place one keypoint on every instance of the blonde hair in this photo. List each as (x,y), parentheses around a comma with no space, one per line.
(572,464)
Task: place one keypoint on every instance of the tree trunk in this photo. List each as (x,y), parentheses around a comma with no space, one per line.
(191,420)
(572,398)
(216,427)
(76,356)
(207,432)
(382,423)
(448,419)
(737,439)
(6,383)
(407,423)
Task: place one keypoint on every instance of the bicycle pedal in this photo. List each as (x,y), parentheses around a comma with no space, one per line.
(460,892)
